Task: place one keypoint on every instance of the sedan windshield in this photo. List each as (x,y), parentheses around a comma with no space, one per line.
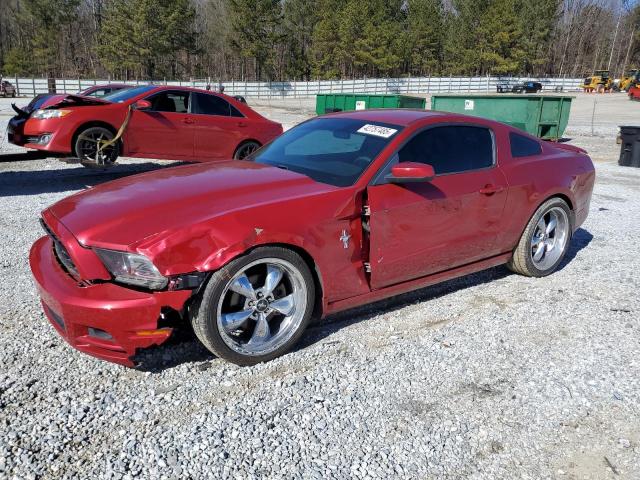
(127,94)
(331,150)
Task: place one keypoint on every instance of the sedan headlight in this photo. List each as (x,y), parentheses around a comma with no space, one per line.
(132,268)
(45,114)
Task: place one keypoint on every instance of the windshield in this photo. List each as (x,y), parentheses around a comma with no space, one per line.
(127,94)
(331,150)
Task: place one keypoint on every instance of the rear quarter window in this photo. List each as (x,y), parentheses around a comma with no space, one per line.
(522,146)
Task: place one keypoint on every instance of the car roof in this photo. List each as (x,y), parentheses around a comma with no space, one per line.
(394,116)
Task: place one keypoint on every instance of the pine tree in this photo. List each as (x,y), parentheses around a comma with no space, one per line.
(425,45)
(299,19)
(146,36)
(255,33)
(326,40)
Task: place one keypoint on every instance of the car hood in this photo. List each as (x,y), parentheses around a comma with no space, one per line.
(61,101)
(126,211)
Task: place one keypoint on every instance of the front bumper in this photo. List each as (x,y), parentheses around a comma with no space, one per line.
(104,320)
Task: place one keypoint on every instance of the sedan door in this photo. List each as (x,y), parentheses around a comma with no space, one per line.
(219,127)
(166,130)
(417,229)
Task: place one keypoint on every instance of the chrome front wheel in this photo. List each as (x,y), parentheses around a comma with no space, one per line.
(255,308)
(262,307)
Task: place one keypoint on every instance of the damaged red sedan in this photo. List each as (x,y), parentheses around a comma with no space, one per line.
(148,121)
(340,211)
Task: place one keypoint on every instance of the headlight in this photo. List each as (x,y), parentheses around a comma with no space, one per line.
(132,268)
(47,113)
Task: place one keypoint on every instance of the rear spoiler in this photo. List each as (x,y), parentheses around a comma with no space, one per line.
(571,148)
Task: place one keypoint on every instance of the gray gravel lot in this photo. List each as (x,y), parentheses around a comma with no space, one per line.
(490,376)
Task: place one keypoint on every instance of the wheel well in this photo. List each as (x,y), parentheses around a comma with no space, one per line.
(561,196)
(84,126)
(246,140)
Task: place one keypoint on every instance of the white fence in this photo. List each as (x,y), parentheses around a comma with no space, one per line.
(418,85)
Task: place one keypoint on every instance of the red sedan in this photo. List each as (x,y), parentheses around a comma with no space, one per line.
(173,123)
(340,211)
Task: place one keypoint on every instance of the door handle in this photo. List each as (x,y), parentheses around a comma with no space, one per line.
(188,121)
(242,124)
(490,189)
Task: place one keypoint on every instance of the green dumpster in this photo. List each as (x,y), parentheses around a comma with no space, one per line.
(338,102)
(544,116)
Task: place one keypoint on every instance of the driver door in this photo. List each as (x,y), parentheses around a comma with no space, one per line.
(166,130)
(417,229)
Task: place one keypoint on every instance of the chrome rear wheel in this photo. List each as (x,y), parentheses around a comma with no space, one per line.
(544,241)
(549,238)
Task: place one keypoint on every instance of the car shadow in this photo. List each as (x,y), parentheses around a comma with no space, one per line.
(581,239)
(24,156)
(184,347)
(34,182)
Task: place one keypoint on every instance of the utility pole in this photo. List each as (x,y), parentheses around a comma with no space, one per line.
(615,37)
(626,57)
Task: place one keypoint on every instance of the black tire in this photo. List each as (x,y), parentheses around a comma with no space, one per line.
(82,148)
(13,94)
(204,312)
(245,149)
(522,261)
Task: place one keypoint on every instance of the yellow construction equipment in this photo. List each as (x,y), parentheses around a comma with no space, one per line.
(598,82)
(629,79)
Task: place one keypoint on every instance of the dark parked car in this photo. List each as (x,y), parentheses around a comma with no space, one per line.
(503,87)
(527,87)
(524,87)
(7,89)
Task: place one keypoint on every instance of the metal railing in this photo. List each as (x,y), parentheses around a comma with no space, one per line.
(412,85)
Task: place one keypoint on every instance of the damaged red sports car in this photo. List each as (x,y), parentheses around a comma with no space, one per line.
(172,123)
(340,211)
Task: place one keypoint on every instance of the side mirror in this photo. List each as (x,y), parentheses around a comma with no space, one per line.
(407,172)
(142,105)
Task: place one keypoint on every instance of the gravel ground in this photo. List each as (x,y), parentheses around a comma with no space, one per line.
(490,376)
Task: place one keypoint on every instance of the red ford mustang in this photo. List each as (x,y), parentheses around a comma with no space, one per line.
(340,211)
(173,123)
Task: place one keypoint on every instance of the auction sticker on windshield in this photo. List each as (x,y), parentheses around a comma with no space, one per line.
(377,130)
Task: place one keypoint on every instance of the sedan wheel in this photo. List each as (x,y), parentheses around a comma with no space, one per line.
(92,149)
(544,241)
(245,150)
(257,307)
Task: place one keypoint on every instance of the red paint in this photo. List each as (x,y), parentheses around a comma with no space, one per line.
(162,135)
(199,217)
(634,93)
